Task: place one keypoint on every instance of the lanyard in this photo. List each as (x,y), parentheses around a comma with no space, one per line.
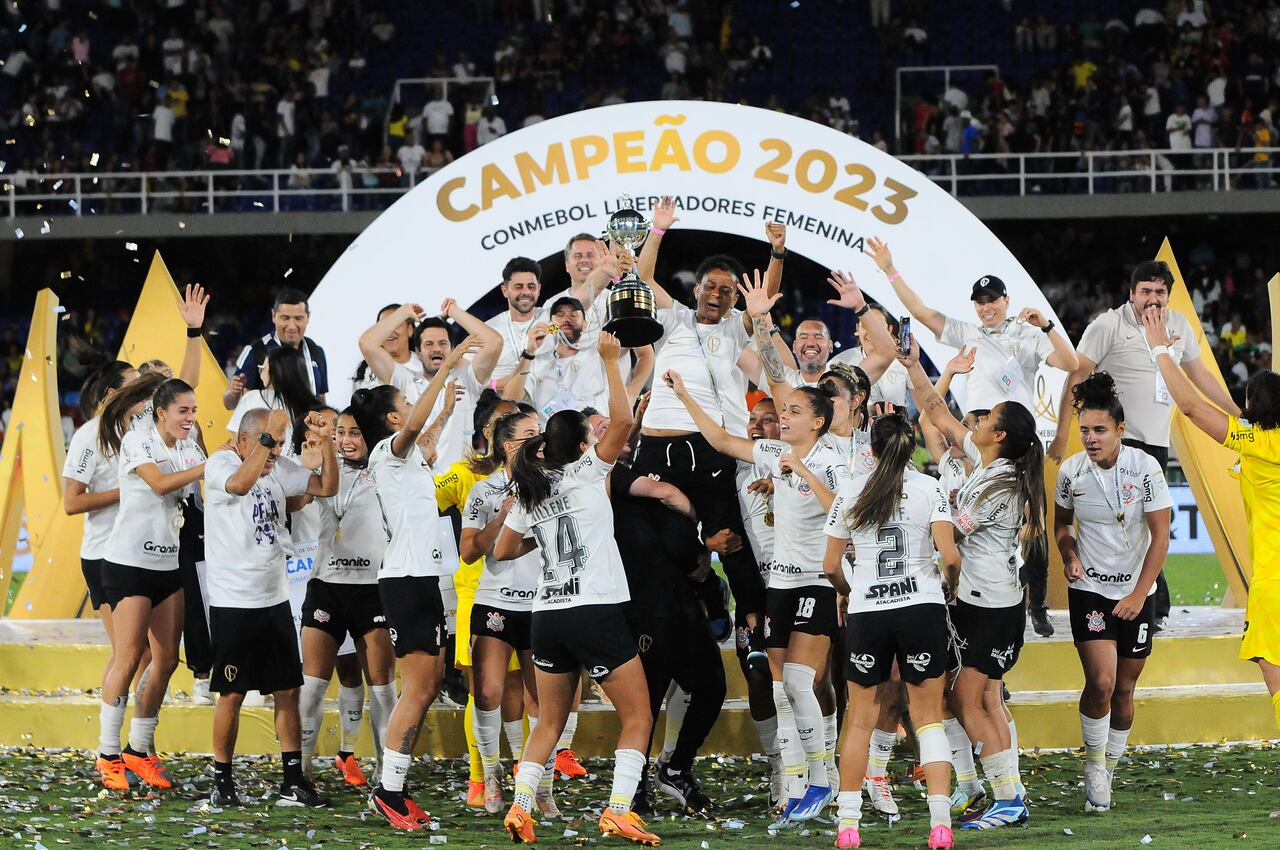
(706,358)
(178,465)
(1118,510)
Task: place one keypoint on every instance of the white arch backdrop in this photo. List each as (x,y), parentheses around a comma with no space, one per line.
(732,167)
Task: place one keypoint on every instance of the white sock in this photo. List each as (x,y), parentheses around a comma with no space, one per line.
(382,699)
(793,761)
(513,731)
(830,735)
(528,777)
(570,729)
(849,809)
(962,756)
(395,766)
(350,713)
(548,773)
(798,679)
(1093,731)
(996,768)
(311,712)
(880,751)
(677,707)
(768,732)
(487,725)
(1117,740)
(628,765)
(1014,759)
(939,810)
(142,734)
(110,721)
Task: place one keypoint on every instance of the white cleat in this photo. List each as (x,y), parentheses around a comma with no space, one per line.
(778,783)
(881,795)
(493,802)
(1097,786)
(545,801)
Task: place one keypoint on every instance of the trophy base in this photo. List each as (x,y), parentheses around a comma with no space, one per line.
(635,331)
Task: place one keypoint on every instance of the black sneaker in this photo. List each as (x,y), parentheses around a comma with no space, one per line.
(225,797)
(683,788)
(301,794)
(757,656)
(1040,622)
(642,803)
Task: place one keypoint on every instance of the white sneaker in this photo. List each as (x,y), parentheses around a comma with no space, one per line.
(881,795)
(200,694)
(1097,786)
(254,699)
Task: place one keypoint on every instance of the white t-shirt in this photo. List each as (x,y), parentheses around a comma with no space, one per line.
(893,385)
(706,357)
(163,119)
(370,380)
(1179,130)
(574,530)
(893,565)
(514,336)
(411,156)
(1112,552)
(951,475)
(99,473)
(567,383)
(1117,343)
(854,450)
(1006,363)
(353,538)
(436,115)
(244,536)
(757,515)
(406,492)
(990,551)
(799,546)
(506,584)
(456,436)
(145,533)
(285,110)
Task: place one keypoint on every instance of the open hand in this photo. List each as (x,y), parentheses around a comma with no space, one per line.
(878,250)
(849,294)
(664,214)
(470,345)
(962,363)
(193,305)
(1153,326)
(756,295)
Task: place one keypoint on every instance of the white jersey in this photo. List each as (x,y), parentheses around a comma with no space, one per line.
(574,530)
(99,472)
(456,436)
(893,565)
(145,533)
(370,380)
(506,584)
(893,386)
(567,383)
(514,339)
(706,357)
(597,312)
(991,551)
(1007,360)
(406,492)
(799,546)
(244,536)
(353,538)
(951,475)
(1112,551)
(855,450)
(757,514)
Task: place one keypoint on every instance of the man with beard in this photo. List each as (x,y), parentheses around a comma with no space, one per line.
(570,374)
(521,284)
(891,386)
(1115,343)
(290,315)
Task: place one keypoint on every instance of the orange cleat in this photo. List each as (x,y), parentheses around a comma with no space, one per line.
(568,766)
(400,820)
(519,825)
(350,770)
(475,793)
(112,771)
(149,769)
(629,826)
(416,811)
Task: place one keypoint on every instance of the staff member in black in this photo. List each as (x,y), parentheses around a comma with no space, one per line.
(290,315)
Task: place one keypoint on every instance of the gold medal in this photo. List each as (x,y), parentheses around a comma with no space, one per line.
(768,518)
(1120,517)
(337,535)
(179,520)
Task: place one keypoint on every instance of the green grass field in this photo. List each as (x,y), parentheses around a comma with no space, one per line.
(1182,798)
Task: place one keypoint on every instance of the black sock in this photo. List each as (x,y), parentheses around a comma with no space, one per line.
(345,754)
(292,766)
(131,751)
(112,757)
(222,775)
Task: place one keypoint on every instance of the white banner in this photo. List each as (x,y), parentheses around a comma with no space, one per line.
(1187,534)
(732,168)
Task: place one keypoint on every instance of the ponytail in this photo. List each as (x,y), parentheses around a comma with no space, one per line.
(504,429)
(535,467)
(1023,449)
(109,376)
(857,383)
(1098,392)
(893,442)
(370,407)
(820,403)
(118,411)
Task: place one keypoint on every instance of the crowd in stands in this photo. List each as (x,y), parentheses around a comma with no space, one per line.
(298,84)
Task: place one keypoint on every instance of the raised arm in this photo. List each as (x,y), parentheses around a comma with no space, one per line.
(720,439)
(430,436)
(514,386)
(417,419)
(871,325)
(878,250)
(489,340)
(610,445)
(240,482)
(758,302)
(664,216)
(380,362)
(320,450)
(961,364)
(1204,415)
(641,372)
(776,233)
(1064,354)
(193,307)
(928,400)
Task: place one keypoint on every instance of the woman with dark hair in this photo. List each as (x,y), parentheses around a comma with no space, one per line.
(101,382)
(398,344)
(800,604)
(140,577)
(409,580)
(1112,527)
(286,386)
(563,512)
(1000,511)
(893,520)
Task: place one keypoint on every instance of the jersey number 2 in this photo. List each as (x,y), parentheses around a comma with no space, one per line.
(891,561)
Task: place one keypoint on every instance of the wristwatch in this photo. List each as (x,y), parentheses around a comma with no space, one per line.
(1048,328)
(268,440)
(524,355)
(775,330)
(778,255)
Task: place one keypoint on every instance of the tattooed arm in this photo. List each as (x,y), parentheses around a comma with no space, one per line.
(928,400)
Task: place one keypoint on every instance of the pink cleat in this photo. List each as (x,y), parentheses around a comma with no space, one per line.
(940,838)
(849,837)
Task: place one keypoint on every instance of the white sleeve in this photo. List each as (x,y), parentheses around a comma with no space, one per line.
(955,333)
(941,507)
(219,468)
(837,526)
(765,454)
(1155,490)
(82,455)
(1062,491)
(971,451)
(518,521)
(135,450)
(293,478)
(473,510)
(590,468)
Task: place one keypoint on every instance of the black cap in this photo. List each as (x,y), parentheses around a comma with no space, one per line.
(988,286)
(562,301)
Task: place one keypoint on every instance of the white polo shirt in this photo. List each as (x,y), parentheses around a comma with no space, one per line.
(1008,357)
(567,383)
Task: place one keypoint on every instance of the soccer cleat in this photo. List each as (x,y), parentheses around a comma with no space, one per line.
(225,798)
(629,826)
(113,772)
(350,770)
(493,801)
(777,783)
(519,825)
(545,801)
(475,793)
(568,766)
(416,811)
(940,838)
(682,787)
(1040,622)
(918,778)
(1097,786)
(881,795)
(1001,813)
(789,809)
(301,794)
(815,799)
(848,838)
(394,808)
(147,768)
(962,801)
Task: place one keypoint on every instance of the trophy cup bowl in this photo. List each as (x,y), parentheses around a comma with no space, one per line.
(633,314)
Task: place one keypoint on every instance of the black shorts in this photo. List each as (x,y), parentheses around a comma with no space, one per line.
(989,639)
(342,609)
(810,610)
(916,635)
(415,613)
(92,570)
(120,582)
(513,628)
(593,637)
(254,649)
(1091,619)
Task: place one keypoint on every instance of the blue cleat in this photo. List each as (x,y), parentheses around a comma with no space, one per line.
(1001,813)
(814,802)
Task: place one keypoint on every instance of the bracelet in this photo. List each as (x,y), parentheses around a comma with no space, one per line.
(778,255)
(775,330)
(657,231)
(1049,327)
(1158,350)
(858,314)
(895,276)
(194,333)
(524,355)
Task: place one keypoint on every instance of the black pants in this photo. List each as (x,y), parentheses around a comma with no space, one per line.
(196,645)
(708,478)
(1160,601)
(681,649)
(1036,571)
